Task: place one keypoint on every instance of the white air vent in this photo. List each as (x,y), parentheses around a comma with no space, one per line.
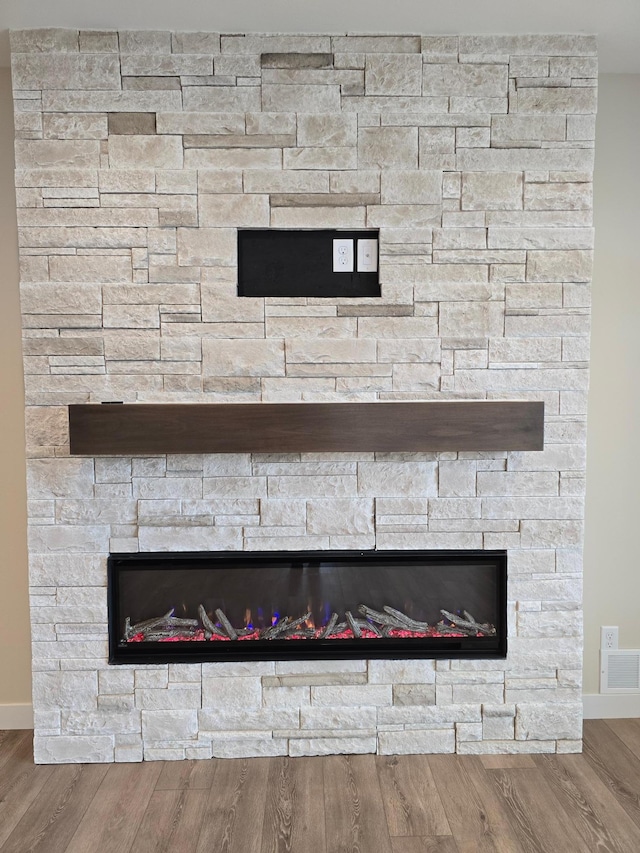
(620,671)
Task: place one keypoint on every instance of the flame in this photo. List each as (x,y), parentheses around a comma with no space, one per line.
(310,623)
(248,621)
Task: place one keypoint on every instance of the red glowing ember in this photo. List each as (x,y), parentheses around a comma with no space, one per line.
(366,624)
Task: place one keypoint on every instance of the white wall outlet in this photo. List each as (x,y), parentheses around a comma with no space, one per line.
(367,255)
(343,255)
(608,637)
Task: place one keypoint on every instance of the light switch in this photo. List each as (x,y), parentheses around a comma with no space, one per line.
(343,255)
(367,255)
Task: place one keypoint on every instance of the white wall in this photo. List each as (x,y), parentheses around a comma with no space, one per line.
(15,656)
(611,560)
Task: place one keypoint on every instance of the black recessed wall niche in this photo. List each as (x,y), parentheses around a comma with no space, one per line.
(273,262)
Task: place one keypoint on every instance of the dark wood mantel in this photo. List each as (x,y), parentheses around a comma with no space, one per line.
(140,428)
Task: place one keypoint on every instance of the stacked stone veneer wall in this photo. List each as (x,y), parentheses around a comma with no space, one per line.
(138,155)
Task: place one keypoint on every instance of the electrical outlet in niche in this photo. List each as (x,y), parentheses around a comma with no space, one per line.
(275,262)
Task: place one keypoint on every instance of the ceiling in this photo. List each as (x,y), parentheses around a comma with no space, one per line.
(615,22)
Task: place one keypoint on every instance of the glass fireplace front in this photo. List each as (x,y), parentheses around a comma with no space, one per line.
(212,606)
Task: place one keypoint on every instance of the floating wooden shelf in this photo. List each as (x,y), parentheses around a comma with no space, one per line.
(145,429)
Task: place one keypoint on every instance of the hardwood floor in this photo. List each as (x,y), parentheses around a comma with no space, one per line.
(587,803)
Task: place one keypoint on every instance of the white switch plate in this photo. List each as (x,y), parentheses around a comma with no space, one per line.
(343,255)
(367,255)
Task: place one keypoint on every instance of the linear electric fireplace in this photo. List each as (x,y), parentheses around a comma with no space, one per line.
(306,605)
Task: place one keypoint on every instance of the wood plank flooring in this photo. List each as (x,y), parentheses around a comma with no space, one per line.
(587,803)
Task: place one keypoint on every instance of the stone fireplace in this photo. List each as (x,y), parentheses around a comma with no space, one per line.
(139,155)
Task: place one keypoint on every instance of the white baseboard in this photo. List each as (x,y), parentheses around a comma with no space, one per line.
(603,706)
(16,716)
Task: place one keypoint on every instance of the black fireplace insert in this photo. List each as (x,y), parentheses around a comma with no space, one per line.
(293,605)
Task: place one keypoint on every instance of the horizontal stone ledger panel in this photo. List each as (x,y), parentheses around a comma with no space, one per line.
(126,429)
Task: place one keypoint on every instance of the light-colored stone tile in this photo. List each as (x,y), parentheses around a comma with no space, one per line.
(362,181)
(243,357)
(79,100)
(74,126)
(414,694)
(249,719)
(314,667)
(417,742)
(46,425)
(286,697)
(298,181)
(168,726)
(327,130)
(65,70)
(469,319)
(540,238)
(525,350)
(218,124)
(419,672)
(82,268)
(326,158)
(396,327)
(330,350)
(233,158)
(233,210)
(75,691)
(193,42)
(511,159)
(574,265)
(52,478)
(207,246)
(131,152)
(388,148)
(266,43)
(416,377)
(300,98)
(464,79)
(557,100)
(415,216)
(98,41)
(408,350)
(370,695)
(145,41)
(333,746)
(229,694)
(545,721)
(411,187)
(170,538)
(492,190)
(318,217)
(73,749)
(396,479)
(57,154)
(530,45)
(163,65)
(473,137)
(393,74)
(558,196)
(44,39)
(221,99)
(247,747)
(513,131)
(338,516)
